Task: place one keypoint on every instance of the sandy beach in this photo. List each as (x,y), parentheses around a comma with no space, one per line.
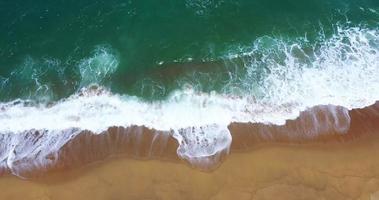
(272,171)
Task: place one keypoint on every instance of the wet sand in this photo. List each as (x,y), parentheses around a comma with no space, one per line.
(303,159)
(348,170)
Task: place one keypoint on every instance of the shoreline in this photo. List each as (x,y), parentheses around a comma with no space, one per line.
(331,166)
(290,171)
(35,153)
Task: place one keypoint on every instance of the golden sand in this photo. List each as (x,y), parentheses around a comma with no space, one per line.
(273,171)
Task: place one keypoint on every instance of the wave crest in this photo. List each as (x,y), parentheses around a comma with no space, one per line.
(288,92)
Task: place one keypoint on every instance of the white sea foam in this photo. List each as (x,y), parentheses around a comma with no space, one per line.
(199,145)
(98,111)
(342,70)
(99,66)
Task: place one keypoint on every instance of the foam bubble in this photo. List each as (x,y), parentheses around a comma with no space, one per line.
(3,82)
(342,70)
(99,66)
(202,146)
(39,79)
(202,7)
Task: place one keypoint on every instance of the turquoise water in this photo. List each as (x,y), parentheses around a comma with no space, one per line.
(51,49)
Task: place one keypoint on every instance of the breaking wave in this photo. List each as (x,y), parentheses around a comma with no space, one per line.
(278,81)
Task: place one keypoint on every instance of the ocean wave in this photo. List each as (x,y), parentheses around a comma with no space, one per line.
(280,80)
(341,70)
(47,79)
(102,64)
(34,153)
